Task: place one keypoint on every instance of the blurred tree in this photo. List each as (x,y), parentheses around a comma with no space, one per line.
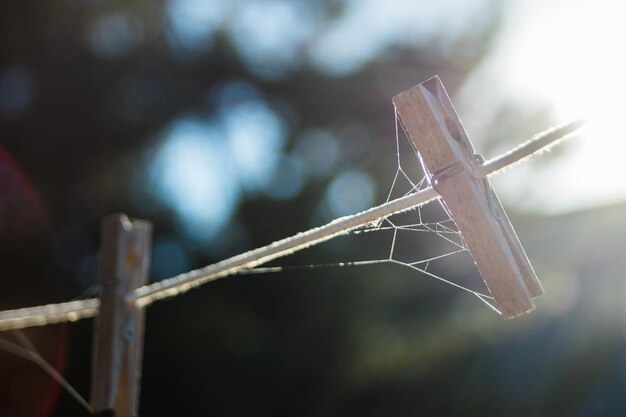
(230,124)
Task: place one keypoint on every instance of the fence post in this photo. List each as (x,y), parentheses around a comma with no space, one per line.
(119,327)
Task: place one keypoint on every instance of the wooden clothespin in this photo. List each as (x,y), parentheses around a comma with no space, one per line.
(449,160)
(118,332)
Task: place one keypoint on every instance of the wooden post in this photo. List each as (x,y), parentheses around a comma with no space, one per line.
(449,160)
(118,332)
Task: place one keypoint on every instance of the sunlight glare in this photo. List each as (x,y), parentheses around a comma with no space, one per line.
(569,57)
(573,56)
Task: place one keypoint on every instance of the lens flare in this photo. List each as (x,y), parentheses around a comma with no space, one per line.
(566,58)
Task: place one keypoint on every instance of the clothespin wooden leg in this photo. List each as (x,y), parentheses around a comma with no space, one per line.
(533,284)
(118,332)
(449,159)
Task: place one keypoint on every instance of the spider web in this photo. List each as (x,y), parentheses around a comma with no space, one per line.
(407,232)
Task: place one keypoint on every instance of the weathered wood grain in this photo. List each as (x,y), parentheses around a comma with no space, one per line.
(437,133)
(119,327)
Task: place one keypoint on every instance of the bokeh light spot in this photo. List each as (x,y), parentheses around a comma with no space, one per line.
(319,152)
(114,35)
(350,192)
(256,135)
(286,180)
(16,90)
(202,166)
(369,27)
(193,22)
(190,174)
(270,35)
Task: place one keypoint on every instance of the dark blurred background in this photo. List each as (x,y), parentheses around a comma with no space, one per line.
(232,123)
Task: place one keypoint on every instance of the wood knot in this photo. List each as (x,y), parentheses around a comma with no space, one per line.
(133,260)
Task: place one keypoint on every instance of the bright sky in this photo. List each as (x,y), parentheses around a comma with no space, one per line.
(568,55)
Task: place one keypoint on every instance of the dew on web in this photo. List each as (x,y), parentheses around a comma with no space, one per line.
(25,349)
(424,240)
